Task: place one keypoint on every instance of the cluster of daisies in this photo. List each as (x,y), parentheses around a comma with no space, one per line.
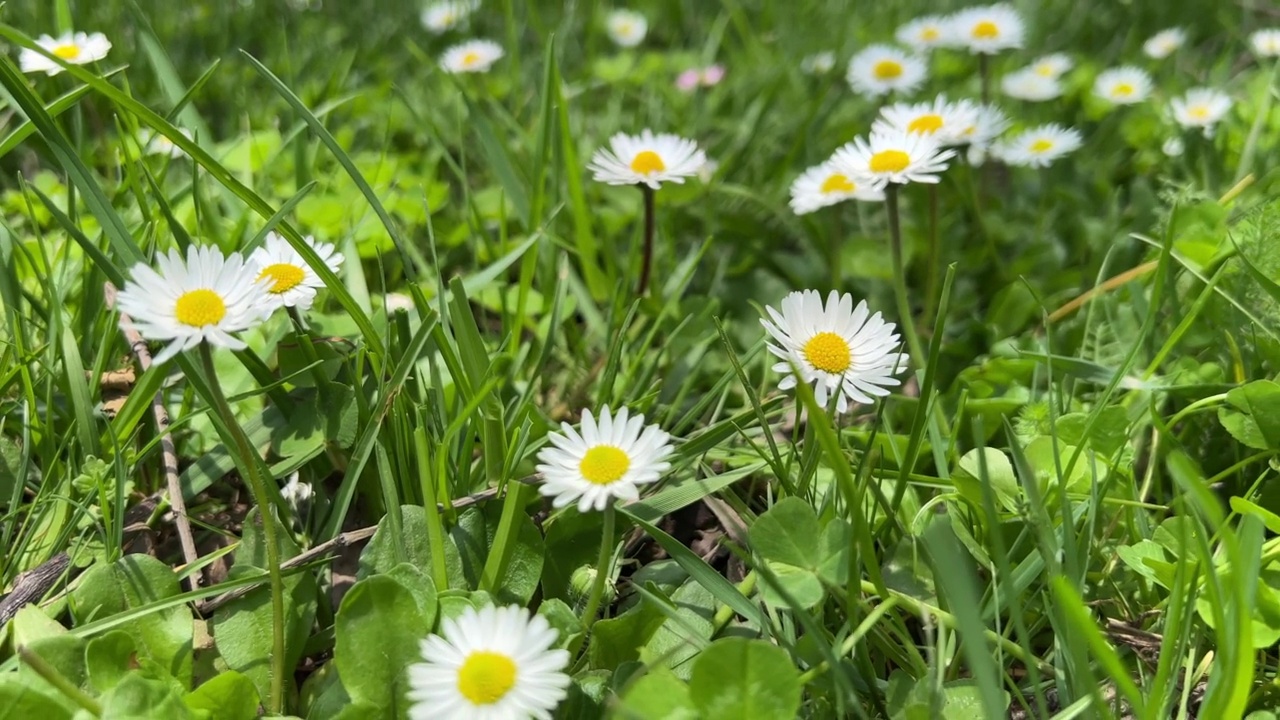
(468,56)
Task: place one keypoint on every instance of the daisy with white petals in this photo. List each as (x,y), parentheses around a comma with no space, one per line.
(892,157)
(1027,84)
(646,159)
(1125,85)
(472,56)
(926,33)
(988,29)
(944,120)
(1051,66)
(626,28)
(71,48)
(881,69)
(204,297)
(1201,108)
(844,352)
(290,280)
(441,17)
(825,185)
(1038,146)
(1164,43)
(611,458)
(495,663)
(987,124)
(1266,43)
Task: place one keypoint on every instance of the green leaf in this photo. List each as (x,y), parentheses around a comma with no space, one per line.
(138,698)
(658,695)
(226,696)
(619,639)
(788,534)
(738,678)
(1260,400)
(377,632)
(999,476)
(474,535)
(380,556)
(108,658)
(19,700)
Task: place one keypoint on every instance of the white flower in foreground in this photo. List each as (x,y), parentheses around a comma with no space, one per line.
(1051,66)
(1201,108)
(205,297)
(1164,43)
(72,48)
(818,63)
(1027,84)
(824,185)
(837,348)
(289,279)
(610,459)
(881,69)
(1266,43)
(442,17)
(988,122)
(1125,85)
(926,33)
(987,30)
(153,143)
(1038,146)
(894,157)
(646,159)
(496,663)
(472,56)
(942,119)
(626,28)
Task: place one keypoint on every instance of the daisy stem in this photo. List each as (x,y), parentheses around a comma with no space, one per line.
(647,259)
(603,566)
(935,262)
(309,352)
(266,512)
(900,278)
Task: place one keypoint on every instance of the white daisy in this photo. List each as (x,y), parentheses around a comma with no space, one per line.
(824,185)
(988,122)
(838,348)
(153,143)
(472,56)
(1266,43)
(819,63)
(894,157)
(442,17)
(71,48)
(988,29)
(1164,43)
(205,297)
(1173,147)
(610,459)
(1125,85)
(944,120)
(290,280)
(626,28)
(1029,85)
(1201,108)
(926,33)
(1051,66)
(881,69)
(646,159)
(496,663)
(1038,146)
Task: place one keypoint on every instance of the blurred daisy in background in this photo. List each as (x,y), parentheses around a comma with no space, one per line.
(153,143)
(1125,85)
(892,157)
(1164,43)
(882,69)
(1038,146)
(1201,108)
(442,17)
(693,78)
(472,56)
(1051,66)
(290,280)
(646,159)
(926,33)
(626,28)
(1027,84)
(71,48)
(988,29)
(818,63)
(824,185)
(1173,147)
(610,459)
(944,120)
(1266,43)
(987,123)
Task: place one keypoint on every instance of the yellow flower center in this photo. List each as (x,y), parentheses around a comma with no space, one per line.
(470,58)
(1122,90)
(889,161)
(1044,70)
(1041,146)
(198,308)
(70,51)
(283,276)
(604,464)
(986,30)
(1199,112)
(485,677)
(887,69)
(624,28)
(837,183)
(828,352)
(647,162)
(929,34)
(925,124)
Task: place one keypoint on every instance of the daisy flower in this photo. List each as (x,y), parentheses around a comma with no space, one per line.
(1266,43)
(818,63)
(1125,85)
(1164,43)
(926,33)
(838,349)
(988,29)
(893,157)
(944,120)
(1038,146)
(610,459)
(1051,66)
(1173,147)
(71,48)
(692,78)
(881,69)
(988,122)
(290,280)
(1201,108)
(472,56)
(442,17)
(646,159)
(626,28)
(1029,85)
(824,185)
(153,143)
(206,297)
(494,663)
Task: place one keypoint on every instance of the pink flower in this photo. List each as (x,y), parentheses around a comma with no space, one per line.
(700,77)
(712,75)
(688,80)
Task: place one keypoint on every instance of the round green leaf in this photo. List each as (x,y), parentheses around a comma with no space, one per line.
(377,632)
(738,678)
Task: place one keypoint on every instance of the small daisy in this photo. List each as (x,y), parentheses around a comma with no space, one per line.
(825,185)
(71,48)
(610,459)
(1164,43)
(646,159)
(926,33)
(1125,85)
(626,28)
(1201,108)
(894,157)
(881,69)
(944,120)
(472,56)
(818,63)
(988,29)
(205,297)
(442,17)
(1039,146)
(1051,66)
(838,348)
(1029,85)
(988,122)
(290,280)
(1173,147)
(1266,43)
(153,143)
(496,663)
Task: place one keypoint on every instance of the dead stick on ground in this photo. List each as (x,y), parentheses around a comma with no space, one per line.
(169,456)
